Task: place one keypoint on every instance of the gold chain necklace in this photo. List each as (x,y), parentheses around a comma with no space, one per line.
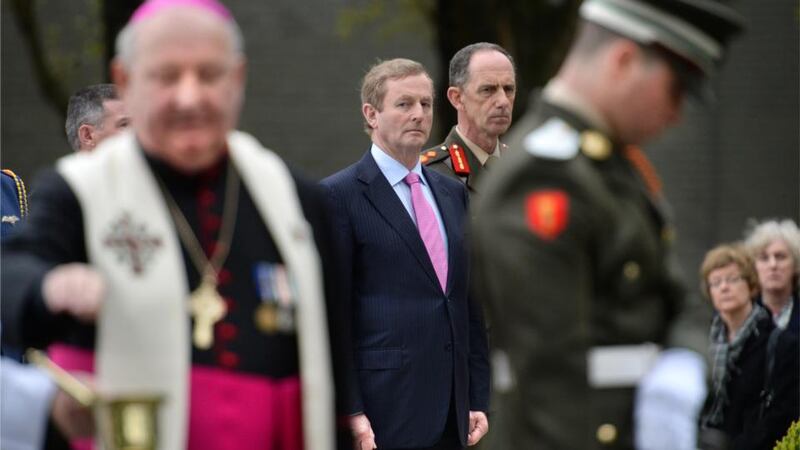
(205,304)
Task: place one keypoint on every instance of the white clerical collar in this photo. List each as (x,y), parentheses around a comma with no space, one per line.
(558,93)
(477,150)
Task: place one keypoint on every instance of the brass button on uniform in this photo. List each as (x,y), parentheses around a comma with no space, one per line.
(595,145)
(606,434)
(631,270)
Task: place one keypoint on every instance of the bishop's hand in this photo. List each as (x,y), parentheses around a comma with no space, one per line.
(76,289)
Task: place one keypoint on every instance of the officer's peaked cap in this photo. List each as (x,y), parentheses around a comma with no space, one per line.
(697,31)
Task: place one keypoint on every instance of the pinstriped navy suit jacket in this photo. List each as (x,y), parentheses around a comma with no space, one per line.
(416,348)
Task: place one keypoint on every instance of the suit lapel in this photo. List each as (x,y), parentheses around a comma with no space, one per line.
(446,204)
(384,199)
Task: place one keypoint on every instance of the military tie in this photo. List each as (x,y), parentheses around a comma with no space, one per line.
(428,228)
(490,161)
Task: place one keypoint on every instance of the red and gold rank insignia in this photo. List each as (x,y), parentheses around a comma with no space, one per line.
(459,158)
(425,157)
(547,213)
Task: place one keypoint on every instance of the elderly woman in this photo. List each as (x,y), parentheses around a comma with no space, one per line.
(775,246)
(740,333)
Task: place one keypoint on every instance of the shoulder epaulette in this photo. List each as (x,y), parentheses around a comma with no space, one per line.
(454,152)
(433,155)
(459,160)
(555,139)
(22,193)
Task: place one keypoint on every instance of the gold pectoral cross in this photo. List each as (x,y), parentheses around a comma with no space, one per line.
(207,308)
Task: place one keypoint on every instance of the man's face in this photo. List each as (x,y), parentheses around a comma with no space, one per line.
(403,124)
(184,87)
(485,103)
(115,119)
(651,102)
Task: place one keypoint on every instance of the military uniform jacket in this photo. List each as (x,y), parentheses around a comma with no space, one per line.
(454,159)
(572,253)
(14,202)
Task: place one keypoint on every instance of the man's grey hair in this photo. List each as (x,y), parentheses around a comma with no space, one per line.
(86,107)
(125,43)
(459,64)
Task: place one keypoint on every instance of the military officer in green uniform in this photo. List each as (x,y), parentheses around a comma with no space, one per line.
(482,89)
(596,343)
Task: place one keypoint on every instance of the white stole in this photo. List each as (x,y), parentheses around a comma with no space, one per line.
(143,343)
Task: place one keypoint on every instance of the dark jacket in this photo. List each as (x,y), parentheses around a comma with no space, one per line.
(794,321)
(419,350)
(54,234)
(742,423)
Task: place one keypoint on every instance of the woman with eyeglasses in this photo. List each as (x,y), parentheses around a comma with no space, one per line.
(775,247)
(752,407)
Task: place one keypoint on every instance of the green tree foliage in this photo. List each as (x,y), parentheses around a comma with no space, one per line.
(68,53)
(792,439)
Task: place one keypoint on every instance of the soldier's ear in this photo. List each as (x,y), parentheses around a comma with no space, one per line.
(454,96)
(622,57)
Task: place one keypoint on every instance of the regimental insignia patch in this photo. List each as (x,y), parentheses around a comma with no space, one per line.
(131,243)
(459,159)
(547,213)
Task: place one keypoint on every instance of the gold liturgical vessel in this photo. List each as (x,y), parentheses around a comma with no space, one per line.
(124,422)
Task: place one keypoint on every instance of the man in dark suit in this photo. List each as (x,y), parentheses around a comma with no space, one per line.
(420,348)
(482,90)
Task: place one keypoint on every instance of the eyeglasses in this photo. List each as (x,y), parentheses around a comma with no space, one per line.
(717,282)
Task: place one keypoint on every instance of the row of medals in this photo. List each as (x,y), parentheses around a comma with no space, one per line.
(273,317)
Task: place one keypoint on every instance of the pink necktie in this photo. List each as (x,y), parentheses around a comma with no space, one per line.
(428,228)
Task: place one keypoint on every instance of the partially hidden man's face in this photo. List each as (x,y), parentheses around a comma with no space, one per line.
(115,119)
(404,122)
(184,87)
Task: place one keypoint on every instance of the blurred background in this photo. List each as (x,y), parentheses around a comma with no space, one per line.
(736,159)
